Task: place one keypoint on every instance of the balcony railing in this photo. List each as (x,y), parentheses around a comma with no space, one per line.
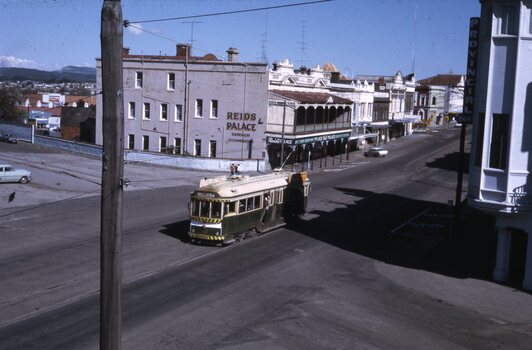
(321,127)
(520,195)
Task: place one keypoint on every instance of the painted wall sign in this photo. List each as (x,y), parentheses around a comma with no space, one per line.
(472,58)
(246,122)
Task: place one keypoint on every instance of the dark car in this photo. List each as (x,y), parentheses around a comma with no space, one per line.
(8,138)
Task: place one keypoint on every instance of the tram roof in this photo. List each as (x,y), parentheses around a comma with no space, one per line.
(235,186)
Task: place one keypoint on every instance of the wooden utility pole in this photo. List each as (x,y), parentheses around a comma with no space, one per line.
(111,37)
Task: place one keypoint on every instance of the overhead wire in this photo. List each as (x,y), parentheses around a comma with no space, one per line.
(229,12)
(168,38)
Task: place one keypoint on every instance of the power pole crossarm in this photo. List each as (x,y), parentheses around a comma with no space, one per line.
(111,38)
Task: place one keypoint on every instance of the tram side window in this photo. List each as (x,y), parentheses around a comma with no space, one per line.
(250,204)
(195,208)
(278,196)
(257,202)
(204,209)
(241,206)
(230,208)
(216,210)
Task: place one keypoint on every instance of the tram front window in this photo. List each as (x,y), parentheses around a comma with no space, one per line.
(195,208)
(216,210)
(204,209)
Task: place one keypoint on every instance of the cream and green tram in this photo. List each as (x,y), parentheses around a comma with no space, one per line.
(226,209)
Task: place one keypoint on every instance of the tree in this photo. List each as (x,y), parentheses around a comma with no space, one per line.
(9,99)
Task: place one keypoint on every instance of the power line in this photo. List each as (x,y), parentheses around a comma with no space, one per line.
(166,37)
(126,22)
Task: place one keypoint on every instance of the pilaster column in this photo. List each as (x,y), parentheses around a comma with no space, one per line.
(500,273)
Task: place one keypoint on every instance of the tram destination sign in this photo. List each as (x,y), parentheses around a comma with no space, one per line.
(471,76)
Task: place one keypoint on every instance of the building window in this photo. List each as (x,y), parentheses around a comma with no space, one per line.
(131,109)
(505,17)
(480,139)
(164,111)
(178,113)
(131,141)
(197,147)
(138,80)
(162,144)
(199,108)
(212,149)
(423,101)
(145,142)
(434,100)
(177,145)
(171,81)
(529,7)
(146,111)
(499,141)
(214,108)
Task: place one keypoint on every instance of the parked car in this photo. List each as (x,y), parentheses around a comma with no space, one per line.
(10,174)
(376,152)
(8,138)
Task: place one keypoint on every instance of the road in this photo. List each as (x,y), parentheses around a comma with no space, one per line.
(337,279)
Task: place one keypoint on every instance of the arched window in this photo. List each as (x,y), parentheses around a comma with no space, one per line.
(311,119)
(434,100)
(331,117)
(347,117)
(320,116)
(300,119)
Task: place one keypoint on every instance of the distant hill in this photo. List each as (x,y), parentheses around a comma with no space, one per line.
(65,74)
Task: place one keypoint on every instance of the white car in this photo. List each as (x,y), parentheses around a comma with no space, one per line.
(10,174)
(376,152)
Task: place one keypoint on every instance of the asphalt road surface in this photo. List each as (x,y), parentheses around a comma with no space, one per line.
(336,279)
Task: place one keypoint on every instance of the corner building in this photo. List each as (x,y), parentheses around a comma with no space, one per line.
(500,180)
(192,106)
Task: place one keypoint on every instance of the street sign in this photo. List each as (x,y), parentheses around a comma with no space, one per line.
(464,118)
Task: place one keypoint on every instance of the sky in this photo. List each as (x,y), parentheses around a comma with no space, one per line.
(378,37)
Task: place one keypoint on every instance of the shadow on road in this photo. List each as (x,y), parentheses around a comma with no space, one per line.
(177,230)
(450,162)
(365,227)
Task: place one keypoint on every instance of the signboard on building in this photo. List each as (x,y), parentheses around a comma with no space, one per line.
(55,98)
(464,118)
(278,140)
(381,94)
(471,75)
(302,141)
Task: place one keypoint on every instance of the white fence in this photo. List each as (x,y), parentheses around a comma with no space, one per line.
(24,132)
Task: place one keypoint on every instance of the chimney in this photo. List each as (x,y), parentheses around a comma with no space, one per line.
(125,51)
(182,50)
(232,54)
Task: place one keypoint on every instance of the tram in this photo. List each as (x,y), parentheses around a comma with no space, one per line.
(231,208)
